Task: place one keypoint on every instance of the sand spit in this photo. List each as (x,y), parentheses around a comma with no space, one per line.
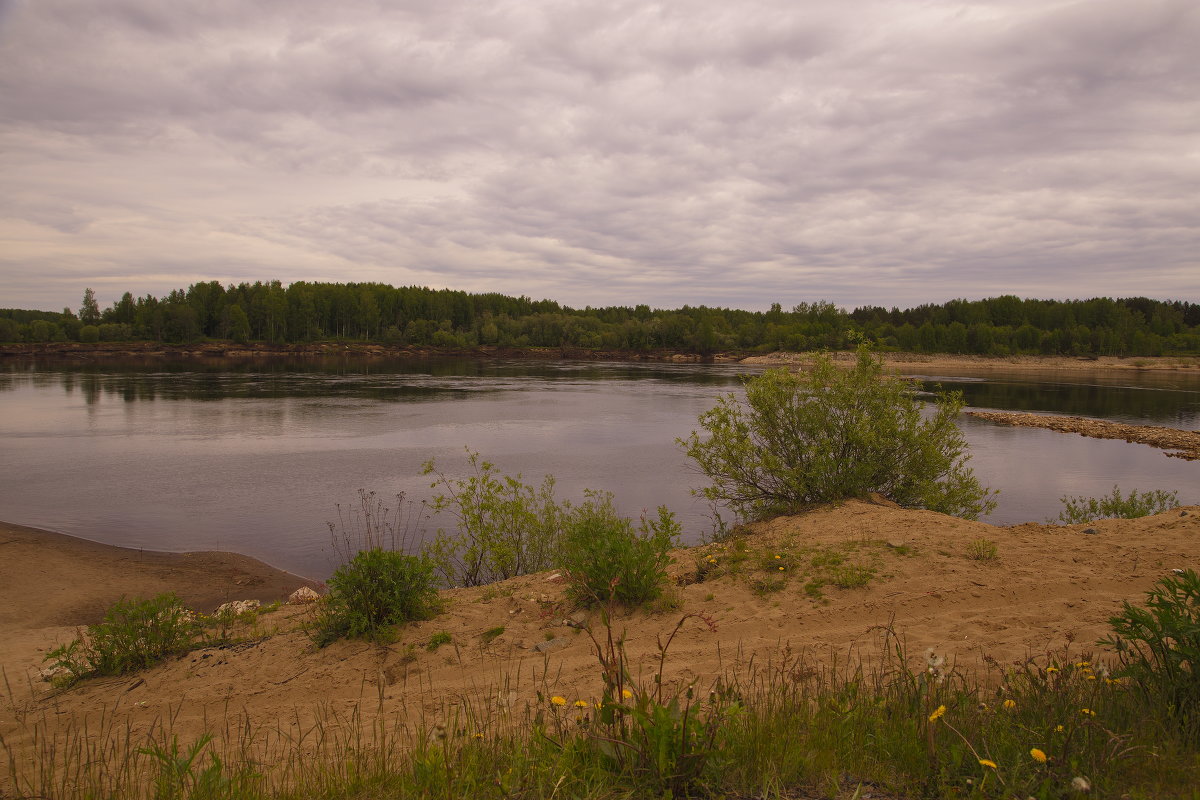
(1177,443)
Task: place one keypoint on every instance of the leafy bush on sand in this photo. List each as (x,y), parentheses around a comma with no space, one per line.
(506,527)
(133,635)
(376,590)
(606,557)
(832,433)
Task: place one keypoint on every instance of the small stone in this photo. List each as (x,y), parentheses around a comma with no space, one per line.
(49,675)
(576,620)
(1183,513)
(238,607)
(303,596)
(555,578)
(553,644)
(1090,530)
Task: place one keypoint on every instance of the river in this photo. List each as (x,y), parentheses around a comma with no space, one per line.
(255,457)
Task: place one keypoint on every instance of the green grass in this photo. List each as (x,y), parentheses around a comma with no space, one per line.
(982,550)
(902,726)
(490,635)
(768,570)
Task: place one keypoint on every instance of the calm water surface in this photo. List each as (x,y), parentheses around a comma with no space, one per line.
(256,458)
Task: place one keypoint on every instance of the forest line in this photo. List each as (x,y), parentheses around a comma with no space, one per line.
(445,318)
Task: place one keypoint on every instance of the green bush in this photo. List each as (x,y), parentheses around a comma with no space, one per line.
(377,589)
(505,526)
(607,558)
(89,334)
(134,634)
(1159,649)
(829,434)
(1082,509)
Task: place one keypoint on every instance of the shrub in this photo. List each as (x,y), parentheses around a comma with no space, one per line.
(607,558)
(1159,649)
(377,589)
(830,434)
(505,526)
(1080,509)
(981,550)
(134,634)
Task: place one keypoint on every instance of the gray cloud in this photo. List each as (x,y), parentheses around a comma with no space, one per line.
(694,152)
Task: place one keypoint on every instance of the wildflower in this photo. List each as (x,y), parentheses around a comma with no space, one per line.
(777,556)
(479,736)
(1081,784)
(1058,728)
(581,703)
(1051,670)
(1082,664)
(626,694)
(558,701)
(937,713)
(1037,755)
(1010,704)
(987,762)
(1087,712)
(781,569)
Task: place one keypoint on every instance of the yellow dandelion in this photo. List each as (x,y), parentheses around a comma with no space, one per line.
(1010,704)
(558,701)
(1087,712)
(1091,677)
(937,713)
(1051,670)
(1058,728)
(479,736)
(987,762)
(1037,755)
(1082,664)
(581,704)
(781,569)
(779,556)
(626,694)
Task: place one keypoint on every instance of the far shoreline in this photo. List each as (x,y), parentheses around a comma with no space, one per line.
(101,352)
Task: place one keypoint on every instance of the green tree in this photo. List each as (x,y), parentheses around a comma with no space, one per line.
(89,311)
(830,434)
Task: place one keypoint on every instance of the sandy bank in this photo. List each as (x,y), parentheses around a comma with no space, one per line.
(1177,443)
(1048,586)
(922,363)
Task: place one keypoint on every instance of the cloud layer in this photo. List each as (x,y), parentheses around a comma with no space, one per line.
(603,152)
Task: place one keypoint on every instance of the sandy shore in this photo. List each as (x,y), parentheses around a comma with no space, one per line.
(1174,442)
(934,363)
(1047,587)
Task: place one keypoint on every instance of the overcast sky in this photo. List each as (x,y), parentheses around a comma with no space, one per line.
(694,151)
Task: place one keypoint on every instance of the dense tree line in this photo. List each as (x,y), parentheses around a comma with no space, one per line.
(419,316)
